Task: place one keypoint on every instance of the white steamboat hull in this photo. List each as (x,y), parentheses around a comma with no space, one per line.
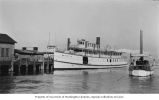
(70,61)
(66,65)
(141,73)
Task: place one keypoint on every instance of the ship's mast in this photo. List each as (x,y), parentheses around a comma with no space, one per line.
(49,46)
(48,42)
(141,44)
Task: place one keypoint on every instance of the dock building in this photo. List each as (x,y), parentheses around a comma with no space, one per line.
(7,45)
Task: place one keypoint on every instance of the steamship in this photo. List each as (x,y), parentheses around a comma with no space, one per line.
(86,55)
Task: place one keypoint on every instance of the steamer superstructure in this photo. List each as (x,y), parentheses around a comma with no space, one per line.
(86,55)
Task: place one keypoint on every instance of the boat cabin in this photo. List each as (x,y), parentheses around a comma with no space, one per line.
(87,45)
(140,64)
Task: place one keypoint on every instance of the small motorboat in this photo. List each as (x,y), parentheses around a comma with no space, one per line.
(139,63)
(140,67)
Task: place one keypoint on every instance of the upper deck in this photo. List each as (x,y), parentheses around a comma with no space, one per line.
(92,48)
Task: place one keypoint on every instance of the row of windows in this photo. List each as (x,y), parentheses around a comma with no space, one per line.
(89,44)
(4,52)
(102,60)
(104,53)
(112,60)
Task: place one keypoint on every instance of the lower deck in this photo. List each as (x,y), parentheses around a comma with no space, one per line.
(64,60)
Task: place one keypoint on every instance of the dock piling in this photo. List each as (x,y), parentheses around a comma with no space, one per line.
(0,69)
(26,67)
(34,67)
(42,68)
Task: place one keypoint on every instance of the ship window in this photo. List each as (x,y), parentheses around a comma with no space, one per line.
(7,52)
(110,60)
(2,52)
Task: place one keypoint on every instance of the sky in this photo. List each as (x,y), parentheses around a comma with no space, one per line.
(116,22)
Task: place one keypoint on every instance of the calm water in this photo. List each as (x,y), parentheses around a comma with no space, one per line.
(107,81)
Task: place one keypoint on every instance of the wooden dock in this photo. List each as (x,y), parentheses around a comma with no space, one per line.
(27,62)
(25,66)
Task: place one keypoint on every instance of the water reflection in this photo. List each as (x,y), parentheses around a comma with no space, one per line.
(6,84)
(141,84)
(81,81)
(85,80)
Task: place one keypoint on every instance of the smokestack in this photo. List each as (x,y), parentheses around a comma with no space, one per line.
(68,43)
(141,42)
(98,44)
(98,41)
(35,49)
(24,48)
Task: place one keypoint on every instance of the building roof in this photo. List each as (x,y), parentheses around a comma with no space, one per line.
(4,38)
(30,52)
(27,52)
